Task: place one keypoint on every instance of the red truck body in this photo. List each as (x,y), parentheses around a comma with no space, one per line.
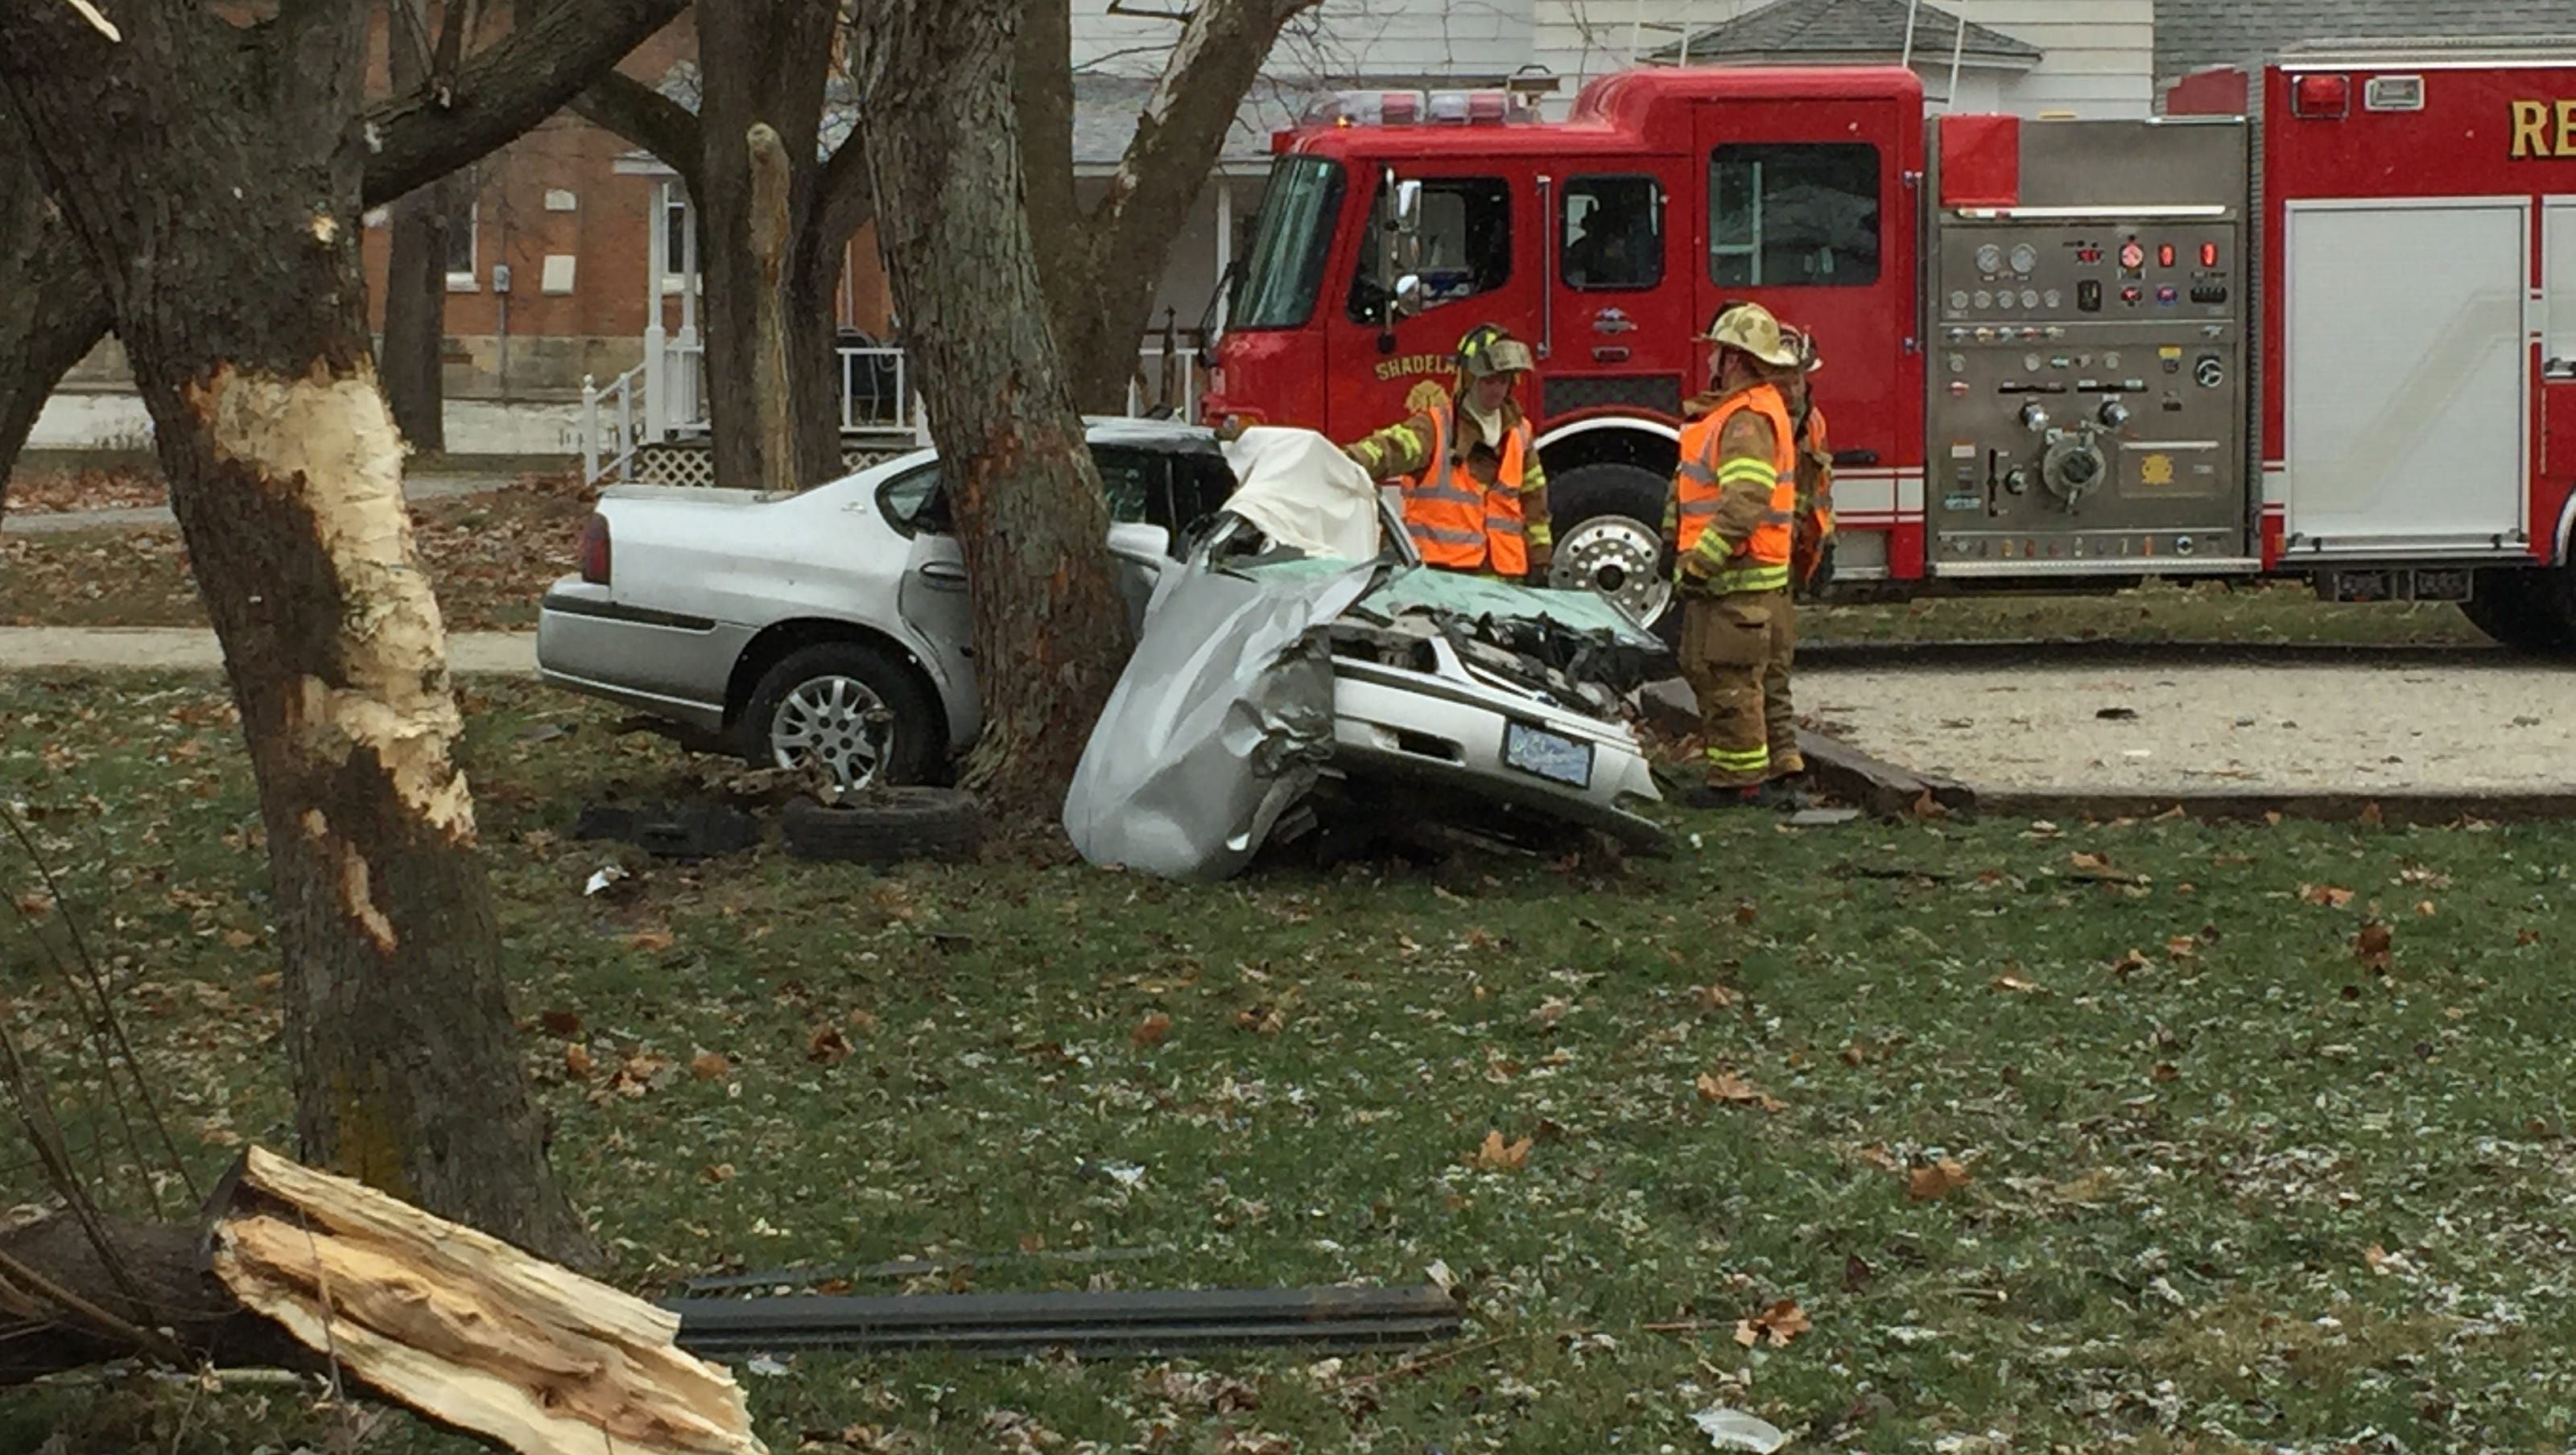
(2334,336)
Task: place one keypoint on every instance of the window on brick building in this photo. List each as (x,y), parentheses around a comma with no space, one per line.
(461,272)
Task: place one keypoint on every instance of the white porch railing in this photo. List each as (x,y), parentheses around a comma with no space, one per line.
(608,418)
(878,400)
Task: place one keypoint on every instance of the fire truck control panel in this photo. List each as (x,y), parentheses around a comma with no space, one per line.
(2088,381)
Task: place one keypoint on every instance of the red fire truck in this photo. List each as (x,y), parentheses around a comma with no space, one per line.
(2329,332)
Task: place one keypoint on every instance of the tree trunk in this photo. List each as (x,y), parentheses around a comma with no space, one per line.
(1102,265)
(1049,626)
(415,338)
(51,313)
(53,299)
(415,343)
(240,298)
(822,229)
(763,61)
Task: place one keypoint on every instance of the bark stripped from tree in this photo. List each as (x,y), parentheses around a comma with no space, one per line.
(1102,265)
(770,235)
(767,61)
(500,92)
(212,173)
(952,213)
(313,1272)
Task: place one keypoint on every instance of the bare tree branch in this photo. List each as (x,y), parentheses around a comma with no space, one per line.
(518,81)
(619,103)
(844,201)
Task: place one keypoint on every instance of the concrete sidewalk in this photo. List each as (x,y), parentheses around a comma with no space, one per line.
(416,488)
(190,649)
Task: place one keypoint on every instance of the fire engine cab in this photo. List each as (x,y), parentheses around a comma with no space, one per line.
(2328,330)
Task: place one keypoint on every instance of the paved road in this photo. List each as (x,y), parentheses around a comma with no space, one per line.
(416,488)
(191,649)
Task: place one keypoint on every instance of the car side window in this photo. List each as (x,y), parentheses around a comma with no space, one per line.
(908,499)
(1133,482)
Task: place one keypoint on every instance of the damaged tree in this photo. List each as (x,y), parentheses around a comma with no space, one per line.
(760,62)
(306,1271)
(1101,264)
(239,296)
(1030,515)
(501,91)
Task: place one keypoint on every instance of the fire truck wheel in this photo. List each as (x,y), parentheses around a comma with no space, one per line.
(1608,521)
(2528,611)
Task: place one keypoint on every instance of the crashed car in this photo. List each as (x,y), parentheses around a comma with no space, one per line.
(832,625)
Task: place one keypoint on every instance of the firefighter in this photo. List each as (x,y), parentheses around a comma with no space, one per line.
(1475,498)
(1811,540)
(1730,521)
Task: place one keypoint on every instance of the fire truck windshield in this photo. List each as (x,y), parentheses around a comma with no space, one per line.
(1285,268)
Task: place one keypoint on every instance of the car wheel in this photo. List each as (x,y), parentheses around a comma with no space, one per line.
(849,706)
(885,826)
(1609,539)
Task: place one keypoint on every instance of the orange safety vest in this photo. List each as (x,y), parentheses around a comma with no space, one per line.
(1460,524)
(1762,562)
(1815,524)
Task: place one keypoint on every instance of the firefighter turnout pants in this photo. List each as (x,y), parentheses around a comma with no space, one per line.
(1735,654)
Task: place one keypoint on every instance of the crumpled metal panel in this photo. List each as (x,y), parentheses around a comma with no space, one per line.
(1221,722)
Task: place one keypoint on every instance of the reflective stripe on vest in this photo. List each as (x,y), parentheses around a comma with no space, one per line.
(1702,480)
(1460,524)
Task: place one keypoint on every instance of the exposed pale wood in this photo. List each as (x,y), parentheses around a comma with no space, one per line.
(465,1328)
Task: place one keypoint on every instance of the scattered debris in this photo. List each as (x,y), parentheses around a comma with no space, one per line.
(391,1296)
(603,878)
(1127,1322)
(670,830)
(885,826)
(1733,1429)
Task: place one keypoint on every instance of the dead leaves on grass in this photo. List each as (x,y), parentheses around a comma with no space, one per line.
(1727,1088)
(1937,1180)
(1496,1155)
(1774,1326)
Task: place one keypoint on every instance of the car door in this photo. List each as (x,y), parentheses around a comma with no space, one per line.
(1620,289)
(1141,490)
(932,598)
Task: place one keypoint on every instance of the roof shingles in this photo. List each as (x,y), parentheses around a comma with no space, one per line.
(1847,28)
(2194,35)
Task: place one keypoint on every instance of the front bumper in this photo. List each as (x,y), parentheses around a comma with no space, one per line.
(1450,732)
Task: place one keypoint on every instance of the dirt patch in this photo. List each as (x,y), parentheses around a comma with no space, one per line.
(2484,725)
(54,490)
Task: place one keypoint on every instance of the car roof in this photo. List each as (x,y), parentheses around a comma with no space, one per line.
(1173,435)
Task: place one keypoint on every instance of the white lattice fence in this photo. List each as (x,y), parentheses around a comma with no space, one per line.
(692,462)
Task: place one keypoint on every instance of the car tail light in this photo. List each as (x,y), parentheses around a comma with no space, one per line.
(594,549)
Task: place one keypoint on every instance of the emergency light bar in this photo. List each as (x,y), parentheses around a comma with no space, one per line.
(1407,108)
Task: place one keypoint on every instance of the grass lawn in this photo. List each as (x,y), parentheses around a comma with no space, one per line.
(490,555)
(2055,1138)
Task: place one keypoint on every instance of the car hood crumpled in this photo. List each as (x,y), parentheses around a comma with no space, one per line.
(1222,721)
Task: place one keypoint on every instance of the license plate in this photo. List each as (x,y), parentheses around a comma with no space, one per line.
(1552,756)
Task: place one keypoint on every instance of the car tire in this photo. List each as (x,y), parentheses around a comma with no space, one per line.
(1607,520)
(886,826)
(810,679)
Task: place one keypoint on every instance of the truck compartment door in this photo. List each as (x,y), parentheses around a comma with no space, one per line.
(2558,340)
(2406,378)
